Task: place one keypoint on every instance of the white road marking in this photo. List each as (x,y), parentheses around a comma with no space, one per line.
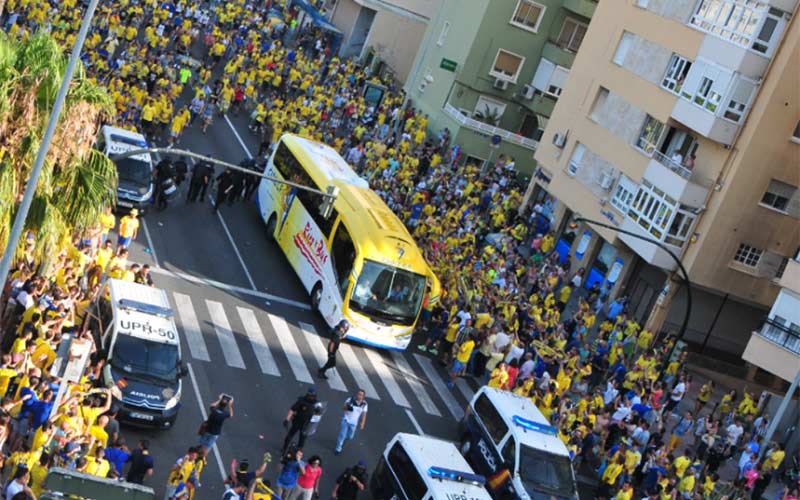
(465,389)
(191,328)
(236,250)
(231,288)
(199,398)
(362,378)
(385,374)
(291,350)
(150,243)
(238,137)
(414,422)
(414,382)
(264,356)
(233,357)
(319,347)
(440,387)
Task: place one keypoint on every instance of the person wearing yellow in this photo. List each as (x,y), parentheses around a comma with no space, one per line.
(97,465)
(128,229)
(463,353)
(609,478)
(499,376)
(107,223)
(181,472)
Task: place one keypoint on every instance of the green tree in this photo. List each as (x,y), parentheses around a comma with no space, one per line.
(77,182)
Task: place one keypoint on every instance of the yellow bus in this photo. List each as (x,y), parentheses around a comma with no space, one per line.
(360,263)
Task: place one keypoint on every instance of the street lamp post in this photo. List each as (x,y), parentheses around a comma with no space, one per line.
(682,269)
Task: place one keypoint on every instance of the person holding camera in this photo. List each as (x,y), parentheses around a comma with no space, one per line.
(351,482)
(355,414)
(219,411)
(298,418)
(337,335)
(293,466)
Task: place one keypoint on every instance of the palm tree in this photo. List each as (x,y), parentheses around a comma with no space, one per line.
(490,116)
(77,182)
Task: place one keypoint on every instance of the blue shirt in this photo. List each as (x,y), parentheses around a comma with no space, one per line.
(40,412)
(289,474)
(116,457)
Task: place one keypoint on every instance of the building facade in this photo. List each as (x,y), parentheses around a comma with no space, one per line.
(679,123)
(492,71)
(388,31)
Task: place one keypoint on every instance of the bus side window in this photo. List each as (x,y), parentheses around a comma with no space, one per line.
(343,253)
(407,475)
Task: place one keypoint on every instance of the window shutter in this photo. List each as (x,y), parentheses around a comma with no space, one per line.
(559,77)
(741,91)
(506,63)
(693,78)
(722,81)
(541,79)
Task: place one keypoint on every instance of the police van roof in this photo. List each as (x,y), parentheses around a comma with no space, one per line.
(427,453)
(526,421)
(142,311)
(119,140)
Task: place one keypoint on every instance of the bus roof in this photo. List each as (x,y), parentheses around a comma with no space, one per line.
(390,243)
(336,172)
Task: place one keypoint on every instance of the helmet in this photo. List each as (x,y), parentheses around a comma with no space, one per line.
(343,325)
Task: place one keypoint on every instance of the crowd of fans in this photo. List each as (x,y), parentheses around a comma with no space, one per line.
(513,312)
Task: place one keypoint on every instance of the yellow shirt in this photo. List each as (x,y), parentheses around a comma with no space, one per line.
(127,226)
(498,379)
(107,222)
(465,351)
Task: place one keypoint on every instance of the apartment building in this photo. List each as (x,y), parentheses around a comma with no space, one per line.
(491,72)
(388,31)
(679,123)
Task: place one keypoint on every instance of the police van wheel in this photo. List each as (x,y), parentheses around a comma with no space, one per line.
(272,224)
(316,296)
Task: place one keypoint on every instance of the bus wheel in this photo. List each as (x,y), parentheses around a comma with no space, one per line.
(316,296)
(272,224)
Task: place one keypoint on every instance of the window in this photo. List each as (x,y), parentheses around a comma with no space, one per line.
(344,253)
(650,135)
(576,159)
(796,133)
(557,81)
(706,83)
(530,126)
(489,110)
(622,49)
(739,98)
(676,73)
(528,15)
(652,209)
(778,194)
(443,34)
(678,231)
(749,23)
(490,418)
(509,451)
(748,255)
(572,33)
(406,473)
(550,78)
(291,170)
(506,65)
(599,104)
(623,194)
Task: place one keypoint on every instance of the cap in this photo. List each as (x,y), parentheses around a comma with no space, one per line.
(312,390)
(362,463)
(134,211)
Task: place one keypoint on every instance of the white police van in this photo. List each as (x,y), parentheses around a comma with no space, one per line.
(416,467)
(135,173)
(508,440)
(142,354)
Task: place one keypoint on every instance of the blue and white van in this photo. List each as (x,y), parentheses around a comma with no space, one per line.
(135,173)
(508,440)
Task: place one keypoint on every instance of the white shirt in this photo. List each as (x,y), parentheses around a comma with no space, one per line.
(13,488)
(501,341)
(734,433)
(677,392)
(352,417)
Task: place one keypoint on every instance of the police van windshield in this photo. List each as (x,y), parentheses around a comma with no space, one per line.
(145,358)
(544,471)
(133,170)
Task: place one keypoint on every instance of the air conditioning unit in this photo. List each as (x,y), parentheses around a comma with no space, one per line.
(559,140)
(500,84)
(606,180)
(528,91)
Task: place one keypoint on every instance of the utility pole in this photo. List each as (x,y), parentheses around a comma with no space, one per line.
(44,147)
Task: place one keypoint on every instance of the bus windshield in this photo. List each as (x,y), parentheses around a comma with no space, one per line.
(544,471)
(388,293)
(142,357)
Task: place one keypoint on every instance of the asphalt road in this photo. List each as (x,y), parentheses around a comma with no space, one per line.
(247,330)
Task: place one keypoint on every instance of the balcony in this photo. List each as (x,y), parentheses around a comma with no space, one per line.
(490,130)
(559,55)
(775,348)
(680,183)
(583,8)
(704,121)
(790,279)
(650,253)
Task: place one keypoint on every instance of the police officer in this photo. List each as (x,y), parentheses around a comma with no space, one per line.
(298,418)
(164,179)
(201,178)
(339,332)
(225,184)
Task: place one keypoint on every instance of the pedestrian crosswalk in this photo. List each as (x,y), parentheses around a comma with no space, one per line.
(248,338)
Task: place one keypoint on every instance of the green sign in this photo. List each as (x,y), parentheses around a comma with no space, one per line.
(448,65)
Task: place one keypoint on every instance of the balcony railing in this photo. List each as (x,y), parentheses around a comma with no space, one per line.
(651,151)
(491,130)
(779,334)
